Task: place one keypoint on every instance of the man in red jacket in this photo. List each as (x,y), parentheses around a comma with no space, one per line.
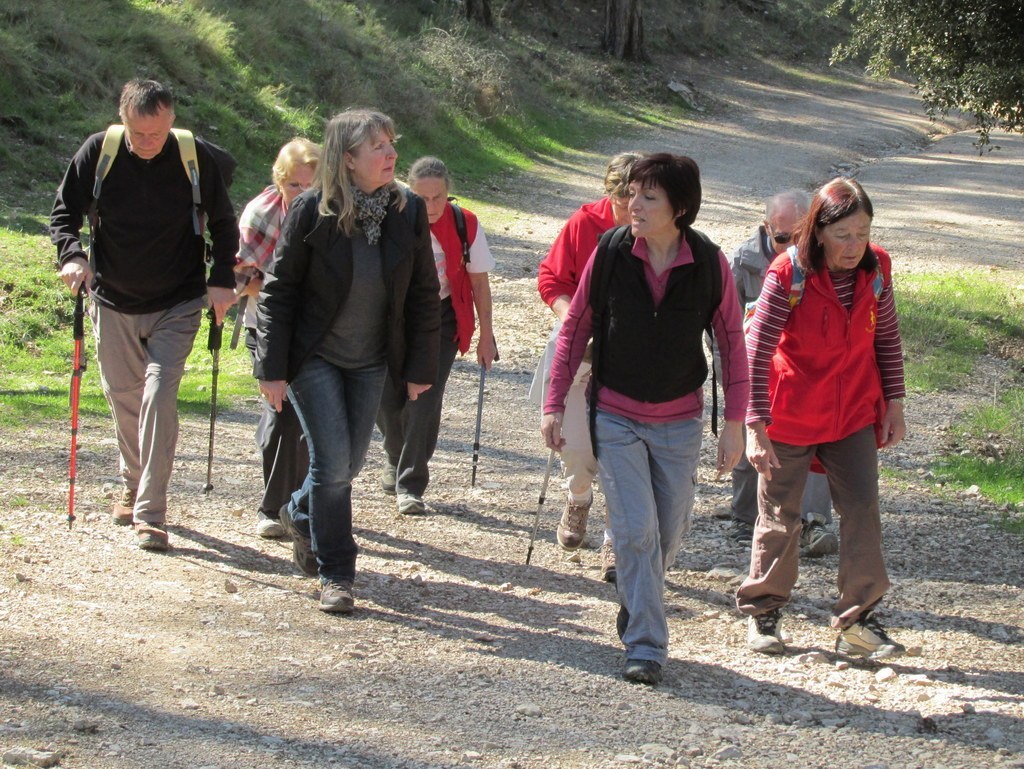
(557,279)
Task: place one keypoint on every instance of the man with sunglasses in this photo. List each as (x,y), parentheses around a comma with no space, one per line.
(750,261)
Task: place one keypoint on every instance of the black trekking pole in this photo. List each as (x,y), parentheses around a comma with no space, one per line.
(479,420)
(540,505)
(76,388)
(213,345)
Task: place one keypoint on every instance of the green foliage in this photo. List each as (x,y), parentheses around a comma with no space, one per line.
(965,54)
(947,321)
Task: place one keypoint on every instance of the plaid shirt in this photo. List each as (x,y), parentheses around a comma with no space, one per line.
(259,228)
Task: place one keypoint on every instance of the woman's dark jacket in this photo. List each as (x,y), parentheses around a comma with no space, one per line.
(310,276)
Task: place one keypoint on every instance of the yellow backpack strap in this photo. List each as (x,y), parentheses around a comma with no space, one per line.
(111,144)
(187,149)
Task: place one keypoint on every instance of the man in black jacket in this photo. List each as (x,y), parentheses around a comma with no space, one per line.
(148,284)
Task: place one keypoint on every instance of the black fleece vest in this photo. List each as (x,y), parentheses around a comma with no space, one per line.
(649,354)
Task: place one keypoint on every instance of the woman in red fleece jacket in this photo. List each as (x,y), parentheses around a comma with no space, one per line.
(826,375)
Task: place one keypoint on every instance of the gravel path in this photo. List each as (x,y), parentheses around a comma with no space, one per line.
(215,655)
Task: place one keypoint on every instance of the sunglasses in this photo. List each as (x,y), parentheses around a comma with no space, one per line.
(782,237)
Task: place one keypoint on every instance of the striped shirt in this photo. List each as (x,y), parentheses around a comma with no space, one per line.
(773,312)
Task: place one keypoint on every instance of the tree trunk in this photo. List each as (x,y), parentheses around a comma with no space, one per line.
(479,10)
(623,29)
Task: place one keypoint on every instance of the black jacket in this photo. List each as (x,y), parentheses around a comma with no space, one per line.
(309,279)
(147,255)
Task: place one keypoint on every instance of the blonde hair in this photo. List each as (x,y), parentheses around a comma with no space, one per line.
(344,133)
(616,177)
(297,152)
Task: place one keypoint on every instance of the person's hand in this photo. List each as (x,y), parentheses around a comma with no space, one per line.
(486,351)
(275,391)
(76,273)
(415,390)
(894,426)
(760,451)
(221,300)
(730,446)
(551,429)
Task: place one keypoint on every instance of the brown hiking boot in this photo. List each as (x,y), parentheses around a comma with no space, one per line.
(608,562)
(152,536)
(337,597)
(123,513)
(572,529)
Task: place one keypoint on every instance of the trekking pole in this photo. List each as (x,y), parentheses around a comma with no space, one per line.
(213,345)
(479,420)
(540,505)
(76,387)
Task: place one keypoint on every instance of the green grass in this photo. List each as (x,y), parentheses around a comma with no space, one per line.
(947,321)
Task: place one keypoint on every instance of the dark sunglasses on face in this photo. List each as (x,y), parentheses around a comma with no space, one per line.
(782,237)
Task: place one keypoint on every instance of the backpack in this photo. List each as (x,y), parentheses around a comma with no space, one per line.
(460,227)
(600,279)
(796,289)
(189,161)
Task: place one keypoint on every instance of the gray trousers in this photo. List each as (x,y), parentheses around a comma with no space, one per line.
(142,359)
(410,428)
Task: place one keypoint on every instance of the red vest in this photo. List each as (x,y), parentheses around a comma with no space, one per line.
(458,279)
(824,383)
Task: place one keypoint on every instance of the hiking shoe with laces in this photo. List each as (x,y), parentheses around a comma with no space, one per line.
(268,527)
(389,478)
(642,672)
(411,504)
(867,638)
(302,546)
(123,513)
(763,633)
(152,536)
(572,529)
(336,597)
(740,532)
(815,539)
(608,562)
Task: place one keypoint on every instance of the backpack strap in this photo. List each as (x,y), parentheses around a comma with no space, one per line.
(460,227)
(108,151)
(187,150)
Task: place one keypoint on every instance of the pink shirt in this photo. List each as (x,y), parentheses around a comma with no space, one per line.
(727,322)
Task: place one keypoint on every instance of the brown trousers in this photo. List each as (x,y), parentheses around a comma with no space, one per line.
(851,465)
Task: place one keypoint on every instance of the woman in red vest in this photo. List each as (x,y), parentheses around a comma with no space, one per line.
(826,377)
(410,428)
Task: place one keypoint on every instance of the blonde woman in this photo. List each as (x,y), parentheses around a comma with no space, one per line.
(278,434)
(350,295)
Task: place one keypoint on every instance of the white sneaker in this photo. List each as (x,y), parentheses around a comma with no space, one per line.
(268,528)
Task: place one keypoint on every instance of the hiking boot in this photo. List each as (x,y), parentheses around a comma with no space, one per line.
(152,536)
(815,539)
(388,478)
(608,562)
(642,672)
(268,527)
(123,513)
(740,532)
(763,633)
(411,504)
(572,529)
(337,597)
(867,638)
(622,621)
(302,546)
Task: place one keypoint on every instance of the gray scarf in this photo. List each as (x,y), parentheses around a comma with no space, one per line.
(370,211)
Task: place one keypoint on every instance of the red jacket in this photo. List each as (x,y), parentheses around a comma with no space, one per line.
(824,383)
(458,279)
(559,272)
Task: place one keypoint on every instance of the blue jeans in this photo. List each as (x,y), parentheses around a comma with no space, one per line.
(648,474)
(336,408)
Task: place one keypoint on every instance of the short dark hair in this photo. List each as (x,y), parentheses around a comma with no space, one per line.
(835,200)
(144,97)
(678,176)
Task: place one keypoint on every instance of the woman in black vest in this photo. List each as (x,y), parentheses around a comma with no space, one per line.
(646,298)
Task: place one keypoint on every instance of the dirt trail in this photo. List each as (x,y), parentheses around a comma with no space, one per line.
(215,655)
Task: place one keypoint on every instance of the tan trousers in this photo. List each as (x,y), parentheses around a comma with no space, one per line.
(851,465)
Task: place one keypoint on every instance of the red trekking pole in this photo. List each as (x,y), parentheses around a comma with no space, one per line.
(76,386)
